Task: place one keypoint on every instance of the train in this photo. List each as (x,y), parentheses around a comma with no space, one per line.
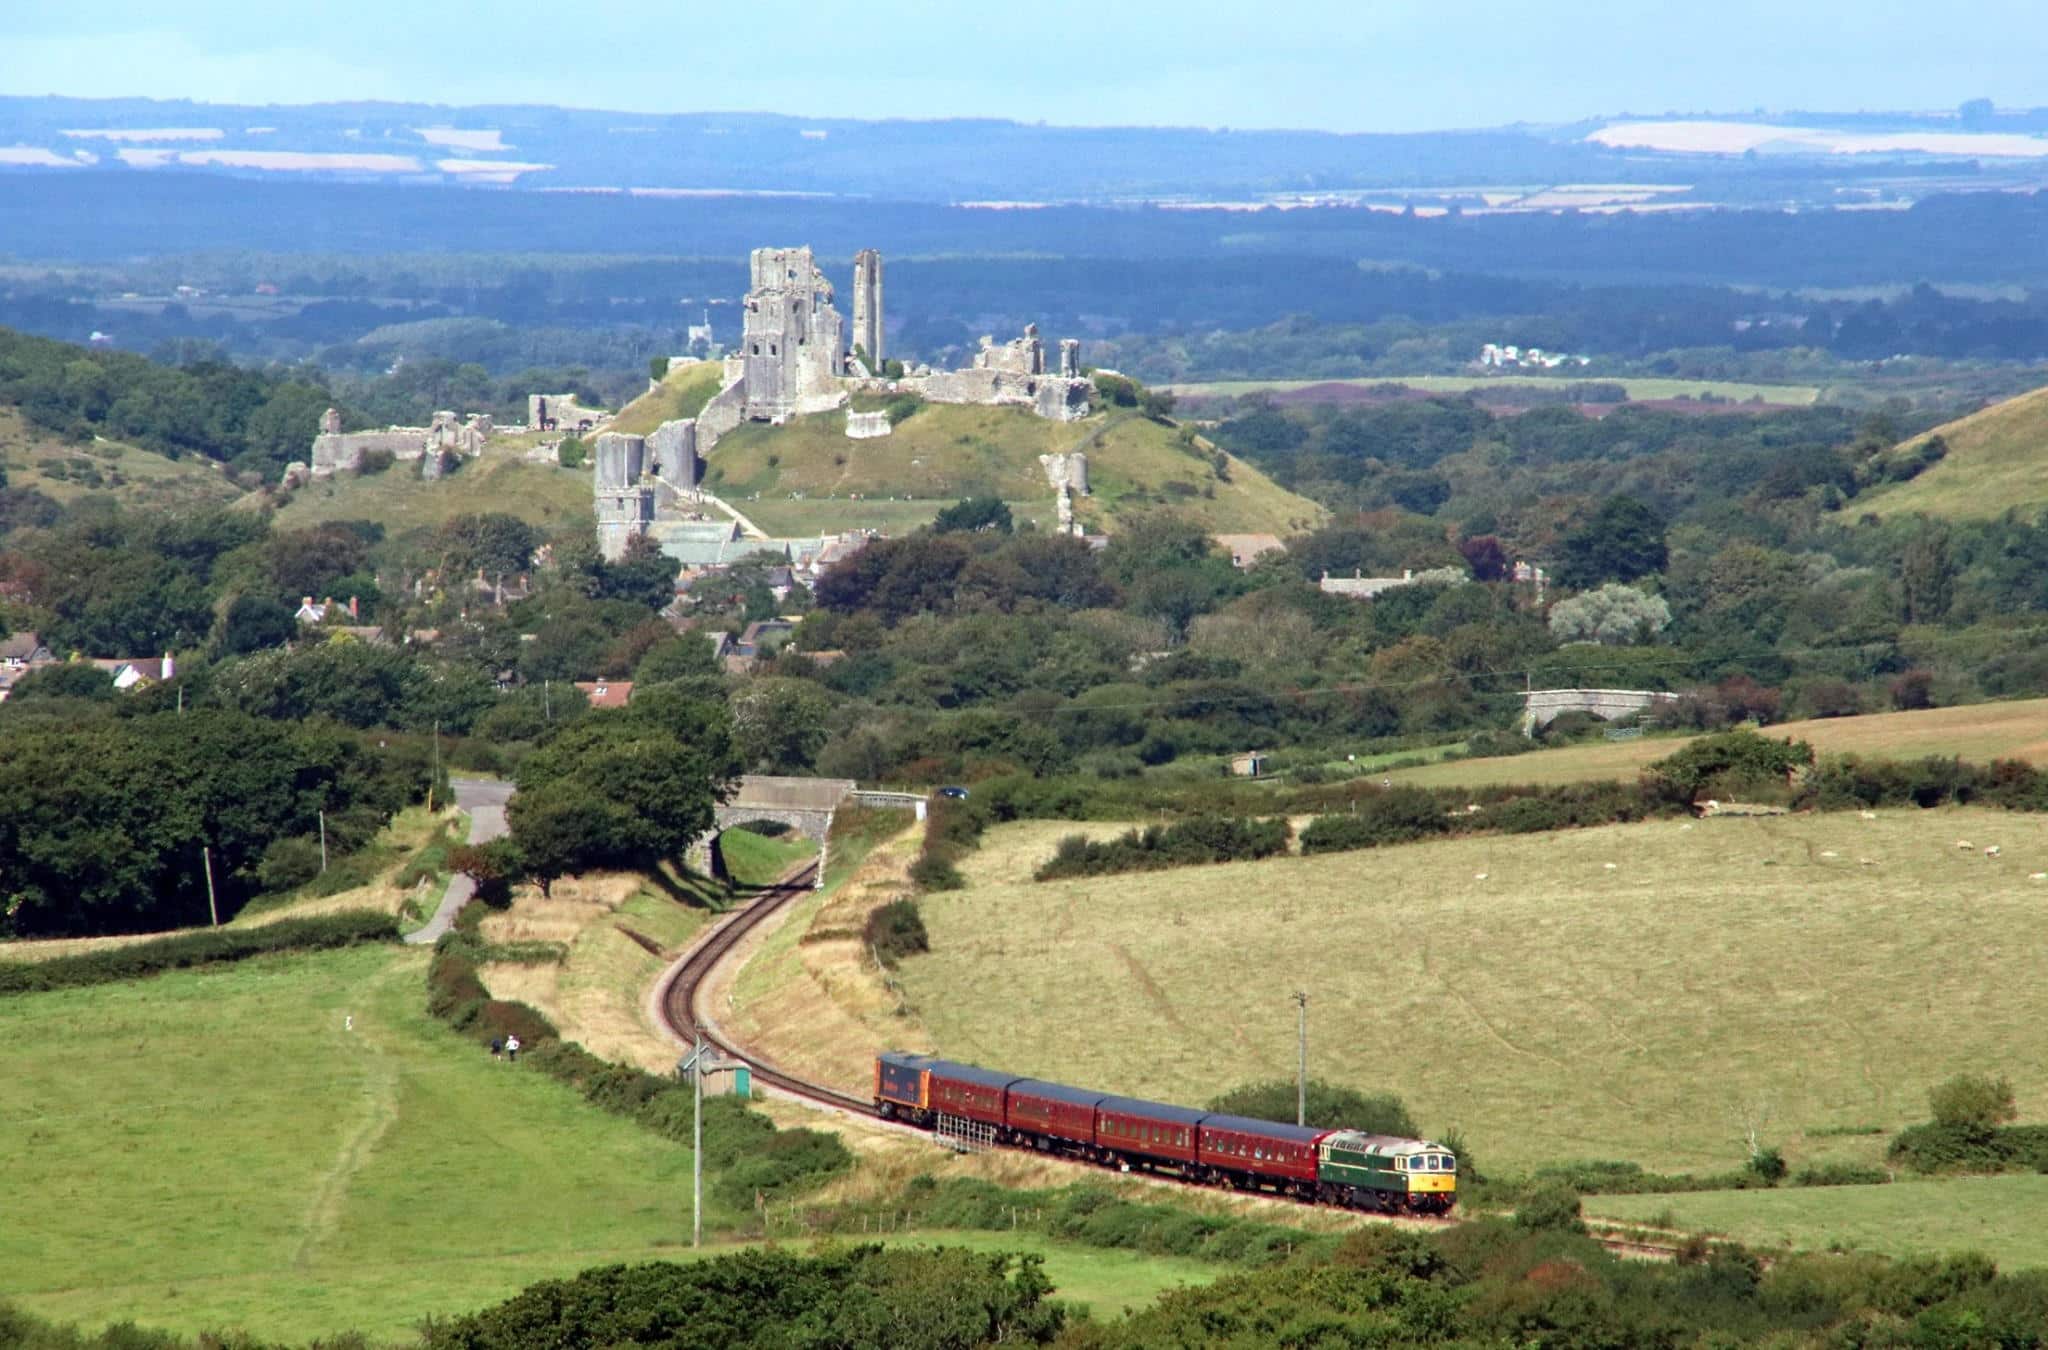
(1209,1148)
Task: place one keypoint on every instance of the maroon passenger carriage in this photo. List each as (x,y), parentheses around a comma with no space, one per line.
(1124,1132)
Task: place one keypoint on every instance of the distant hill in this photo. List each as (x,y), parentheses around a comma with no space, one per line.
(1997,460)
(945,452)
(67,472)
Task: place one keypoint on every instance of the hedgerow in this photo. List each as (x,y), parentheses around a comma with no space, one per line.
(207,946)
(1205,839)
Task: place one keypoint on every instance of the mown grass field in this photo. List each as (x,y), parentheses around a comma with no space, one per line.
(1829,966)
(1994,465)
(945,452)
(803,518)
(1979,732)
(1797,395)
(541,494)
(2006,1218)
(208,1150)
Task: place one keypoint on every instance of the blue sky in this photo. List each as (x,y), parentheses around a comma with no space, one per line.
(1368,65)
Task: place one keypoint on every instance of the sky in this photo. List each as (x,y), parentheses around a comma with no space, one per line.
(1343,65)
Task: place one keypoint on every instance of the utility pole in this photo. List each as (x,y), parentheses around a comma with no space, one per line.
(431,782)
(212,906)
(1301,1070)
(323,839)
(693,1065)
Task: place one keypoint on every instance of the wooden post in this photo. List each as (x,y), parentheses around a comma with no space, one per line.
(212,906)
(323,841)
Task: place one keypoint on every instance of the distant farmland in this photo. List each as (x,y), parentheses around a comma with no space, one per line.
(1521,990)
(1978,732)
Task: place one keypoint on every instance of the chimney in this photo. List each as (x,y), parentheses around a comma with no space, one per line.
(352,607)
(1407,574)
(304,601)
(170,667)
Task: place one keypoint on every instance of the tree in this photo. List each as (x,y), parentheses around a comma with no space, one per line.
(69,679)
(1485,556)
(1973,1102)
(1614,616)
(1623,540)
(779,725)
(971,514)
(255,622)
(1329,1107)
(644,576)
(685,656)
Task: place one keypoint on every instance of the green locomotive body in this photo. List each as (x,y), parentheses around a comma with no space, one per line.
(1379,1171)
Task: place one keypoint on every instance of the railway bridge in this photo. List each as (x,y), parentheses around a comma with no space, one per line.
(1540,707)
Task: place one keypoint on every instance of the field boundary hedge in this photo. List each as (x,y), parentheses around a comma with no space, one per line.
(749,1154)
(204,947)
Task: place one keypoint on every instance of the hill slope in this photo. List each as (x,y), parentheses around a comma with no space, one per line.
(945,452)
(34,459)
(1995,462)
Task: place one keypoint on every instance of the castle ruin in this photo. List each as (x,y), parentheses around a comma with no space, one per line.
(438,445)
(794,360)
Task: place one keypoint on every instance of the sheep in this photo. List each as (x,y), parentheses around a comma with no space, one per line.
(1868,815)
(1991,850)
(2037,876)
(1964,843)
(1479,876)
(1609,866)
(1829,853)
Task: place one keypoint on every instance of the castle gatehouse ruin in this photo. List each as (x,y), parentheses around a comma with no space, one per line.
(795,359)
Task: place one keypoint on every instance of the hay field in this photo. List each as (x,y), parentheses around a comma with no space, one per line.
(1979,732)
(540,494)
(1994,464)
(2006,1218)
(1557,1008)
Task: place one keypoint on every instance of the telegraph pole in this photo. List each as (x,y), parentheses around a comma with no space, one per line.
(1301,1069)
(323,840)
(212,907)
(697,1144)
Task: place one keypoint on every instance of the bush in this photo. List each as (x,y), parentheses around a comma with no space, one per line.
(1739,757)
(572,453)
(205,946)
(1205,839)
(1840,1174)
(896,930)
(1394,816)
(289,863)
(1973,1101)
(932,873)
(1768,1164)
(375,461)
(1552,1206)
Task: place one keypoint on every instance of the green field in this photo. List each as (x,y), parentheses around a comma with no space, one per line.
(205,1150)
(2006,1218)
(806,517)
(945,452)
(1978,731)
(1994,465)
(1829,966)
(1739,391)
(541,494)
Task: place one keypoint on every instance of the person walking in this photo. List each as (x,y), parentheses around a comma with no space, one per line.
(497,1047)
(512,1048)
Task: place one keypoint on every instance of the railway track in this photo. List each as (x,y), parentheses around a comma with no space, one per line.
(676,998)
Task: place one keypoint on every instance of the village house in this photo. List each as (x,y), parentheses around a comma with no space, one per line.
(607,693)
(1246,549)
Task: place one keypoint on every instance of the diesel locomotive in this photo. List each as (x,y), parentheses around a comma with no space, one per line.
(1337,1167)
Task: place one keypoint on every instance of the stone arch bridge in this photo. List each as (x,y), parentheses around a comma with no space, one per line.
(805,805)
(1540,707)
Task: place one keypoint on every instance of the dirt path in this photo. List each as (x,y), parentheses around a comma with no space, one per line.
(484,799)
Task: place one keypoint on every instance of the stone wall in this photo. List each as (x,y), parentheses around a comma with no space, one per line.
(793,341)
(861,426)
(561,412)
(672,459)
(343,451)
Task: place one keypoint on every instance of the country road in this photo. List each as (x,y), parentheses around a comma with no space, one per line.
(484,800)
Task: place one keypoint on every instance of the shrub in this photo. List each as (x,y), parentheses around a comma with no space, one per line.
(205,946)
(1739,757)
(1391,817)
(1973,1101)
(1840,1174)
(571,453)
(936,874)
(1527,815)
(1551,1206)
(1768,1164)
(375,461)
(896,930)
(1204,839)
(289,863)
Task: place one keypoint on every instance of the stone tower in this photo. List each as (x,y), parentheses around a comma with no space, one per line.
(867,306)
(624,499)
(794,343)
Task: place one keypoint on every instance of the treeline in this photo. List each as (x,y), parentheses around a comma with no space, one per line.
(108,827)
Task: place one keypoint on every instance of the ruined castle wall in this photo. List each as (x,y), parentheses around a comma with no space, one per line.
(867,307)
(672,452)
(623,502)
(342,452)
(861,426)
